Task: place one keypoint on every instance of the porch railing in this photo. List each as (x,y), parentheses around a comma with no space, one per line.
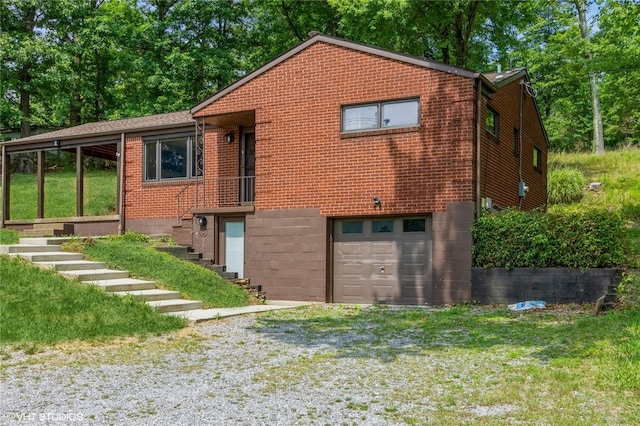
(216,192)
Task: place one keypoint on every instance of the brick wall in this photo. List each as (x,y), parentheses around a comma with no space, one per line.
(303,160)
(500,176)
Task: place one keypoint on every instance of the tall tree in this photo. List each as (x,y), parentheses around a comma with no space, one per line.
(598,134)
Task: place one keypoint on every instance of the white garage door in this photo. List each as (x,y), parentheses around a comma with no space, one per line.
(382,260)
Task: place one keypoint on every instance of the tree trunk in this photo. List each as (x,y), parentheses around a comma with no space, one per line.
(598,133)
(25,78)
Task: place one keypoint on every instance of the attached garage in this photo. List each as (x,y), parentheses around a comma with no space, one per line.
(382,260)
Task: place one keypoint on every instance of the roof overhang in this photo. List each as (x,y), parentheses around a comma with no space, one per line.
(242,118)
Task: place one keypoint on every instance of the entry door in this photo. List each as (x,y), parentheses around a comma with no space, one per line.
(248,166)
(232,245)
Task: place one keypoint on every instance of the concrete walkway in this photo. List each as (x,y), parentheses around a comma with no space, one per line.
(199,315)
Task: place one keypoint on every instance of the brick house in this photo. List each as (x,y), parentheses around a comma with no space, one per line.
(336,172)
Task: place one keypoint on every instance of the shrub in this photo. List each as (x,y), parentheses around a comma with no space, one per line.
(571,237)
(565,186)
(628,290)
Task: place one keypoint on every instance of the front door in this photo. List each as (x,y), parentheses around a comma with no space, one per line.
(248,166)
(231,245)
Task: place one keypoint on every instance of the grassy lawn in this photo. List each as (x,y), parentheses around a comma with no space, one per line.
(470,365)
(60,195)
(619,171)
(133,253)
(41,307)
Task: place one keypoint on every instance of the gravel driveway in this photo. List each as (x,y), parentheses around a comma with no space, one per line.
(274,369)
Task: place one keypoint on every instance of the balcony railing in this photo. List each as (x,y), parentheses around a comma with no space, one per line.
(215,193)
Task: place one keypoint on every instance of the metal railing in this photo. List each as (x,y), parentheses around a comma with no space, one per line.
(215,193)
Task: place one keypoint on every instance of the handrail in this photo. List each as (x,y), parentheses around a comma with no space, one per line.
(216,192)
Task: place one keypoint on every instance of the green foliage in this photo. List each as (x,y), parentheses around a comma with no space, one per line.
(131,252)
(628,290)
(573,237)
(41,306)
(565,186)
(9,236)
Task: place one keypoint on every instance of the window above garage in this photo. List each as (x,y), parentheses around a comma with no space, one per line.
(381,115)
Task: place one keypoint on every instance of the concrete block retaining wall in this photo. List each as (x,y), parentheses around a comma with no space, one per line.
(553,285)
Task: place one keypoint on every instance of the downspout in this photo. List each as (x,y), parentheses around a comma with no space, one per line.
(121,157)
(520,182)
(478,147)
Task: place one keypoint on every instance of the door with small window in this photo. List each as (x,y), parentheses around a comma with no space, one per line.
(382,260)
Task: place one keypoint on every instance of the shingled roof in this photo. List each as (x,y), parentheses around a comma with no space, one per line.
(111,128)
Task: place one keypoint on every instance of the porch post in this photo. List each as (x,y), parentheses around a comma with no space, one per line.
(120,154)
(79,182)
(40,184)
(6,181)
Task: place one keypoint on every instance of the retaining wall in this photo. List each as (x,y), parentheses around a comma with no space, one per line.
(553,285)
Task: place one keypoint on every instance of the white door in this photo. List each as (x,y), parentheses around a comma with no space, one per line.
(234,247)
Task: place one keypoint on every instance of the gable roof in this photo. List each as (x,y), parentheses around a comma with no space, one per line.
(359,47)
(501,79)
(111,128)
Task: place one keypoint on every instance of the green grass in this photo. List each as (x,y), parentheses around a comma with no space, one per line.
(619,171)
(131,252)
(60,194)
(9,236)
(42,307)
(441,365)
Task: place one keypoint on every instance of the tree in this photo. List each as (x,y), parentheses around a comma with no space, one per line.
(598,135)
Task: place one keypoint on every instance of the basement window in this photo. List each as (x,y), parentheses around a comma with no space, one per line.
(170,157)
(381,115)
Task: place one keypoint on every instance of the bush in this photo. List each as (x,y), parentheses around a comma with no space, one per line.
(628,290)
(572,237)
(565,186)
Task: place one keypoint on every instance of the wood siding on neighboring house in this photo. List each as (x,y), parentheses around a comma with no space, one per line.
(500,164)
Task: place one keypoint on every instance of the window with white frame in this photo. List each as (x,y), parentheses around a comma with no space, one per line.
(381,115)
(171,157)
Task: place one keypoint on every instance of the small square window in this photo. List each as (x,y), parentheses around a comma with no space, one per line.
(400,114)
(414,225)
(361,117)
(381,226)
(537,159)
(492,120)
(352,227)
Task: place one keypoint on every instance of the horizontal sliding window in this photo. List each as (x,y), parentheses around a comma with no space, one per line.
(381,115)
(174,157)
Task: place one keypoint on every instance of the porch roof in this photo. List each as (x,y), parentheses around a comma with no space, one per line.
(101,131)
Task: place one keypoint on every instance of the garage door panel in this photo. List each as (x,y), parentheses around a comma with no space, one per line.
(386,267)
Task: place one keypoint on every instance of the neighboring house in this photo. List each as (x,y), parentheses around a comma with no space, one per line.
(337,172)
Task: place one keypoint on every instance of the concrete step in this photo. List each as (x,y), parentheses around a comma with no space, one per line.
(123,284)
(175,305)
(50,256)
(44,241)
(72,265)
(27,248)
(96,274)
(151,294)
(58,226)
(44,232)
